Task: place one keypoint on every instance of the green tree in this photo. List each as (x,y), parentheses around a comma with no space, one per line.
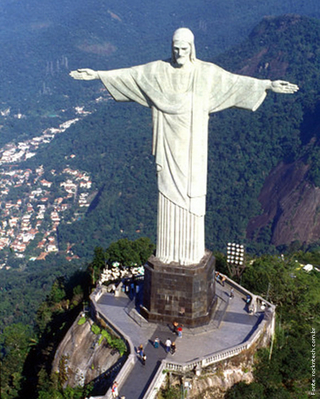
(243,390)
(129,253)
(58,292)
(285,373)
(122,251)
(144,248)
(15,345)
(98,264)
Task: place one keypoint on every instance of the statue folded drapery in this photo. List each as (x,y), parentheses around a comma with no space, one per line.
(180,136)
(182,92)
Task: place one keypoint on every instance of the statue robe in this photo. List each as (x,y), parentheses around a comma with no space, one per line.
(180,138)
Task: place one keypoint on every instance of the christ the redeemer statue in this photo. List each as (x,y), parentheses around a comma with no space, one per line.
(181,93)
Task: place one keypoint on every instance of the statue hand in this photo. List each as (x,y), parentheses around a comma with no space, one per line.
(84,74)
(280,86)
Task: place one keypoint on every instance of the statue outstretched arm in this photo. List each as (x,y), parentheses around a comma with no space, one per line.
(84,74)
(281,86)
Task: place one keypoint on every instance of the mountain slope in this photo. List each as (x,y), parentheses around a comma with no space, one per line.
(290,194)
(290,205)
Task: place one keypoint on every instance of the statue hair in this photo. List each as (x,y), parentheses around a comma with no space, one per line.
(185,35)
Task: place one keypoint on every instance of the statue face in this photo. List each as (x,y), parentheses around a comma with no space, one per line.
(181,52)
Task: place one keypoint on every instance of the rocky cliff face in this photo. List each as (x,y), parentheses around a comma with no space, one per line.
(83,360)
(291,205)
(213,386)
(284,134)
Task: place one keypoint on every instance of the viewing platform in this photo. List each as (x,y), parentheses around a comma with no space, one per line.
(231,330)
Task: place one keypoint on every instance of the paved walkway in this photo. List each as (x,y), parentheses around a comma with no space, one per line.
(236,325)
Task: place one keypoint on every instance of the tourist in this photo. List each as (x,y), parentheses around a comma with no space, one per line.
(114,389)
(140,351)
(144,359)
(173,348)
(168,345)
(175,327)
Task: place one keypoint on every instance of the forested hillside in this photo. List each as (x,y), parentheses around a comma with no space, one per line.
(283,129)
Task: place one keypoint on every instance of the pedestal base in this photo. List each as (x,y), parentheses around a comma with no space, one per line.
(185,294)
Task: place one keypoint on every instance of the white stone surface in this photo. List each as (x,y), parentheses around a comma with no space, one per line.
(181,93)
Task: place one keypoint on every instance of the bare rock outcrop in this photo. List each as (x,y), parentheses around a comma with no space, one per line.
(82,357)
(291,204)
(215,386)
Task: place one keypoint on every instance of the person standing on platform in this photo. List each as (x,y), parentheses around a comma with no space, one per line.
(144,359)
(175,325)
(114,389)
(140,351)
(173,348)
(168,345)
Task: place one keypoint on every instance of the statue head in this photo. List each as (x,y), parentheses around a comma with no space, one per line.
(183,46)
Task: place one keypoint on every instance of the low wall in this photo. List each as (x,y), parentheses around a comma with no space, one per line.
(203,362)
(256,299)
(127,367)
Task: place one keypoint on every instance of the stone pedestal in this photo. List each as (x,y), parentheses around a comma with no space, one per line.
(185,294)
